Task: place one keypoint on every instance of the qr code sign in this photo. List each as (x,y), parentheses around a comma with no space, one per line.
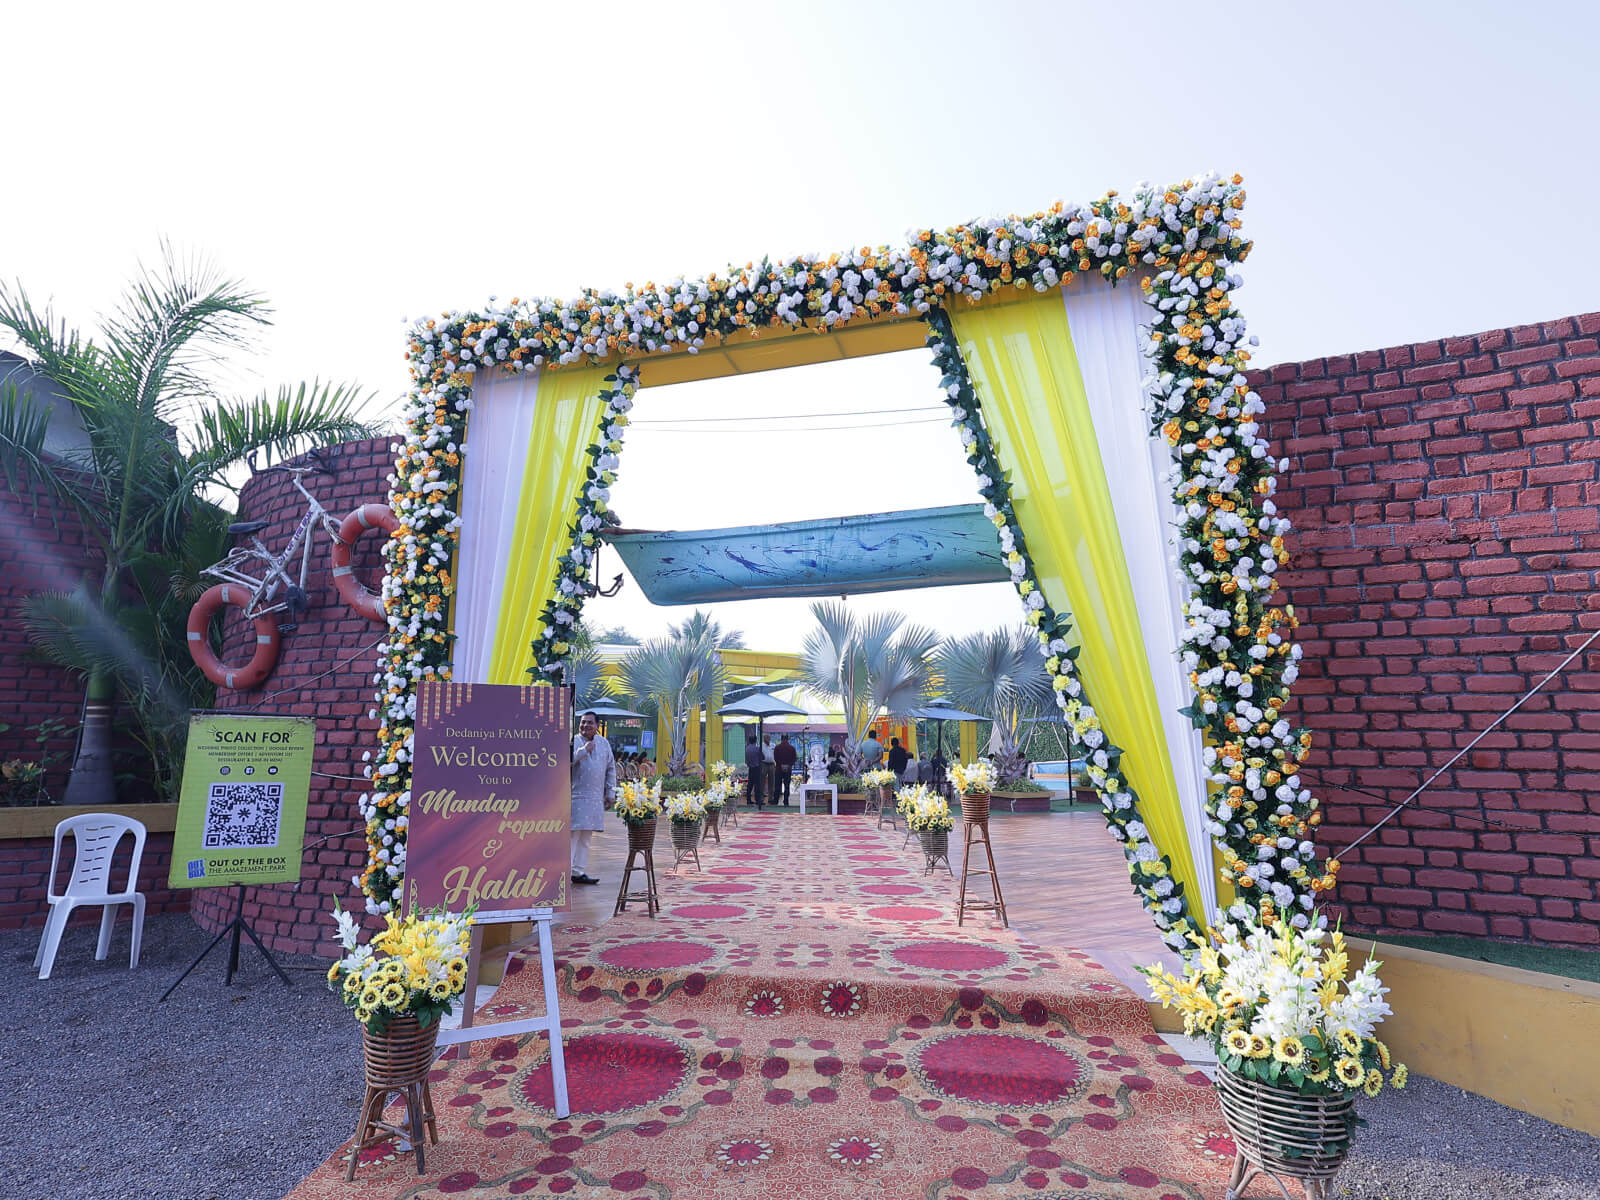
(243,816)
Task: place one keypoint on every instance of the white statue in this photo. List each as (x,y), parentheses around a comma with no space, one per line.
(817,765)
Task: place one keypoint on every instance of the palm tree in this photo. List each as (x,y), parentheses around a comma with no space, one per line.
(873,666)
(1001,675)
(160,445)
(677,673)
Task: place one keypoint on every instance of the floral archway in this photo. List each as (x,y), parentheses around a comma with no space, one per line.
(1044,380)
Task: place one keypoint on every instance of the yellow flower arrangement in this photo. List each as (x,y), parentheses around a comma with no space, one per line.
(1280,1006)
(973,777)
(638,801)
(413,966)
(924,810)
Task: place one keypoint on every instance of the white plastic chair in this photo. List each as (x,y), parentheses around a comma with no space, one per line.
(95,838)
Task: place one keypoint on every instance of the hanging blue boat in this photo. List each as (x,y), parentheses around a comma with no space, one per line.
(875,552)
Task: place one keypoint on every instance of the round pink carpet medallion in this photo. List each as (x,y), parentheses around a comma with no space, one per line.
(904,912)
(872,858)
(648,957)
(1000,1070)
(723,889)
(709,912)
(950,956)
(891,889)
(610,1073)
(881,872)
(736,870)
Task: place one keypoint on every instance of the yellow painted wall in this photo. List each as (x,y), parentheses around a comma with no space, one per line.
(1528,1040)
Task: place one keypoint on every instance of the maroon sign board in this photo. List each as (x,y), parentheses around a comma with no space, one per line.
(491,798)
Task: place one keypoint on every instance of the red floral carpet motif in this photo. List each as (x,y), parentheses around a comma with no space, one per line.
(626,1071)
(1000,1070)
(812,1030)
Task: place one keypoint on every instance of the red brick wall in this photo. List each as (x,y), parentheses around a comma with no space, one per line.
(1447,557)
(41,549)
(324,671)
(25,863)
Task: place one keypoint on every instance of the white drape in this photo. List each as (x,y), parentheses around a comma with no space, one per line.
(1105,325)
(498,429)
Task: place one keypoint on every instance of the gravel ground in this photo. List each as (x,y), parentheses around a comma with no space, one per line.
(1436,1142)
(236,1093)
(221,1093)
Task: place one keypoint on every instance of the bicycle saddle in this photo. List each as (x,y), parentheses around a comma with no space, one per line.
(242,528)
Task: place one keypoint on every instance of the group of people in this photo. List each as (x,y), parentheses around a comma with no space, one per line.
(769,769)
(907,768)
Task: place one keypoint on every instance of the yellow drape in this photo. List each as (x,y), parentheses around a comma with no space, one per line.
(565,424)
(1023,366)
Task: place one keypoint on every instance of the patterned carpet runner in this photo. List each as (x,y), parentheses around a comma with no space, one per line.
(806,1020)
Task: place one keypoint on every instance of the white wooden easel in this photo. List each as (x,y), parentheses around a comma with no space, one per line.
(550,1023)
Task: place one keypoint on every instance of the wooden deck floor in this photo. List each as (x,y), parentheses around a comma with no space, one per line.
(1064,880)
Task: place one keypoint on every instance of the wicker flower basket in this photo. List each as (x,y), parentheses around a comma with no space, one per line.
(975,806)
(934,841)
(401,1055)
(713,824)
(642,834)
(686,834)
(1268,1123)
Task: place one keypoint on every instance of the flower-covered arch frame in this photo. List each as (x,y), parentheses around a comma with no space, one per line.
(1180,244)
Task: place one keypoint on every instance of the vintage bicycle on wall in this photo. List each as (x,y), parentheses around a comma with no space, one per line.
(257,581)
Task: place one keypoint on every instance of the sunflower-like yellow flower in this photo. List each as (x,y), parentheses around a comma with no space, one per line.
(1350,1042)
(363,1014)
(1260,1047)
(1320,1075)
(457,966)
(1374,1083)
(393,995)
(333,973)
(440,991)
(1401,1074)
(1383,1055)
(1349,1072)
(1290,1051)
(1238,1042)
(352,984)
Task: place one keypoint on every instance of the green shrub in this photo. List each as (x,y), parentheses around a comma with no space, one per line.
(681,783)
(847,783)
(1021,785)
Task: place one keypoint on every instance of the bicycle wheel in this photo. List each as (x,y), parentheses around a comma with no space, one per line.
(255,672)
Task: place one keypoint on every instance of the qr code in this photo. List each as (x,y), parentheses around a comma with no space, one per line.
(243,816)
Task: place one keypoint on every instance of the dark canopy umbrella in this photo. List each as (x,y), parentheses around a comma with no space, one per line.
(604,711)
(760,706)
(940,711)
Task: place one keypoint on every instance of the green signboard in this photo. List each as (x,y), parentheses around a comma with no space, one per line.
(242,810)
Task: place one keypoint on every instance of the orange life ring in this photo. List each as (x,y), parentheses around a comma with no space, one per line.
(254,673)
(368,516)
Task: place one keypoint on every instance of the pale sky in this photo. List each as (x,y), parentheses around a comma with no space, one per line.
(1414,171)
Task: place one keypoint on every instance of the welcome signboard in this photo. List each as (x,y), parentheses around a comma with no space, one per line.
(491,798)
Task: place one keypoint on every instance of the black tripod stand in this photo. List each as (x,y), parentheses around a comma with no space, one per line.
(233,928)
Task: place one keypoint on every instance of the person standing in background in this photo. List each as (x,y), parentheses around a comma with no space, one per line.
(769,771)
(897,757)
(594,785)
(753,762)
(871,751)
(783,760)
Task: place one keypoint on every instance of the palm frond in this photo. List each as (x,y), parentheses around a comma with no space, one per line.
(174,319)
(300,417)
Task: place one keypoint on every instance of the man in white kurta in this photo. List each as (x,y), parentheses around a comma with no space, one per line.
(594,786)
